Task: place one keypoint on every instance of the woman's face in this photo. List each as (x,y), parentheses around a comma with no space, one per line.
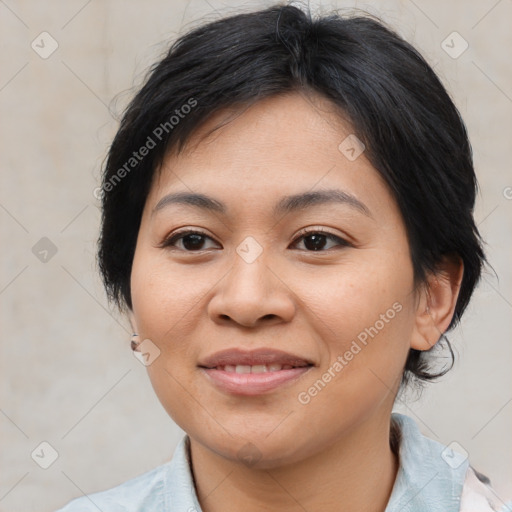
(316,339)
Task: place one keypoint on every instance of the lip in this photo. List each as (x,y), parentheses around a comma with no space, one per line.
(250,384)
(253,357)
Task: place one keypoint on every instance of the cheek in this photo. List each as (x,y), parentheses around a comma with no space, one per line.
(365,323)
(165,305)
(354,296)
(364,315)
(165,296)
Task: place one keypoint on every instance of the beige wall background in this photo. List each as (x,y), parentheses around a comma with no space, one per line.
(68,375)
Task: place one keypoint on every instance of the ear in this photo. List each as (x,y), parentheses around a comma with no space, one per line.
(436,304)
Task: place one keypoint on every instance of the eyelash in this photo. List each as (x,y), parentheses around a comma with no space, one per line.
(169,241)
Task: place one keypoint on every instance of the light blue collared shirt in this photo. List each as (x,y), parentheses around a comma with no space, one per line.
(430,478)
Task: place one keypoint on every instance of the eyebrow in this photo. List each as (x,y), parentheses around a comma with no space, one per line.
(285,205)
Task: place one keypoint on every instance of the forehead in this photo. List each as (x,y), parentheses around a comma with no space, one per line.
(291,125)
(283,144)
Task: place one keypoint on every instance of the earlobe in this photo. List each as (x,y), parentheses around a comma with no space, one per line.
(437,301)
(135,332)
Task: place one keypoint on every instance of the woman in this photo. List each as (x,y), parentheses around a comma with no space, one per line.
(287,223)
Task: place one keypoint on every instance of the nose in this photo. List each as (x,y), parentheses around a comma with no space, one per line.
(252,294)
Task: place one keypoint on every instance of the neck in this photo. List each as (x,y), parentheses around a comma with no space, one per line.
(357,472)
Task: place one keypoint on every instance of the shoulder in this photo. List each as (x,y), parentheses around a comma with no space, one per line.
(478,495)
(433,477)
(165,488)
(144,492)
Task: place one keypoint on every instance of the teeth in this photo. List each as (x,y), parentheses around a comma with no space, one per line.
(257,368)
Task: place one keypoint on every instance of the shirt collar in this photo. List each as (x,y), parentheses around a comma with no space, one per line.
(430,475)
(180,481)
(429,479)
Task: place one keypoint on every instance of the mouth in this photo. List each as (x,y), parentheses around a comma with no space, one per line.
(256,368)
(253,372)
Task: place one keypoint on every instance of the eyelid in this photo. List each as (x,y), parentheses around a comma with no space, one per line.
(170,239)
(316,229)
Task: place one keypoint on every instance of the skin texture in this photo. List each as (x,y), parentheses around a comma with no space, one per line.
(334,449)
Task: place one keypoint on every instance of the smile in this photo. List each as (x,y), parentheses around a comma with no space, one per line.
(243,382)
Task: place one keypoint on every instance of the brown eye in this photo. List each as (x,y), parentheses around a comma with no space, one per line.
(317,240)
(191,241)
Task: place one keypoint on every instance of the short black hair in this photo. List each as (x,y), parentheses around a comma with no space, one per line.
(413,133)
